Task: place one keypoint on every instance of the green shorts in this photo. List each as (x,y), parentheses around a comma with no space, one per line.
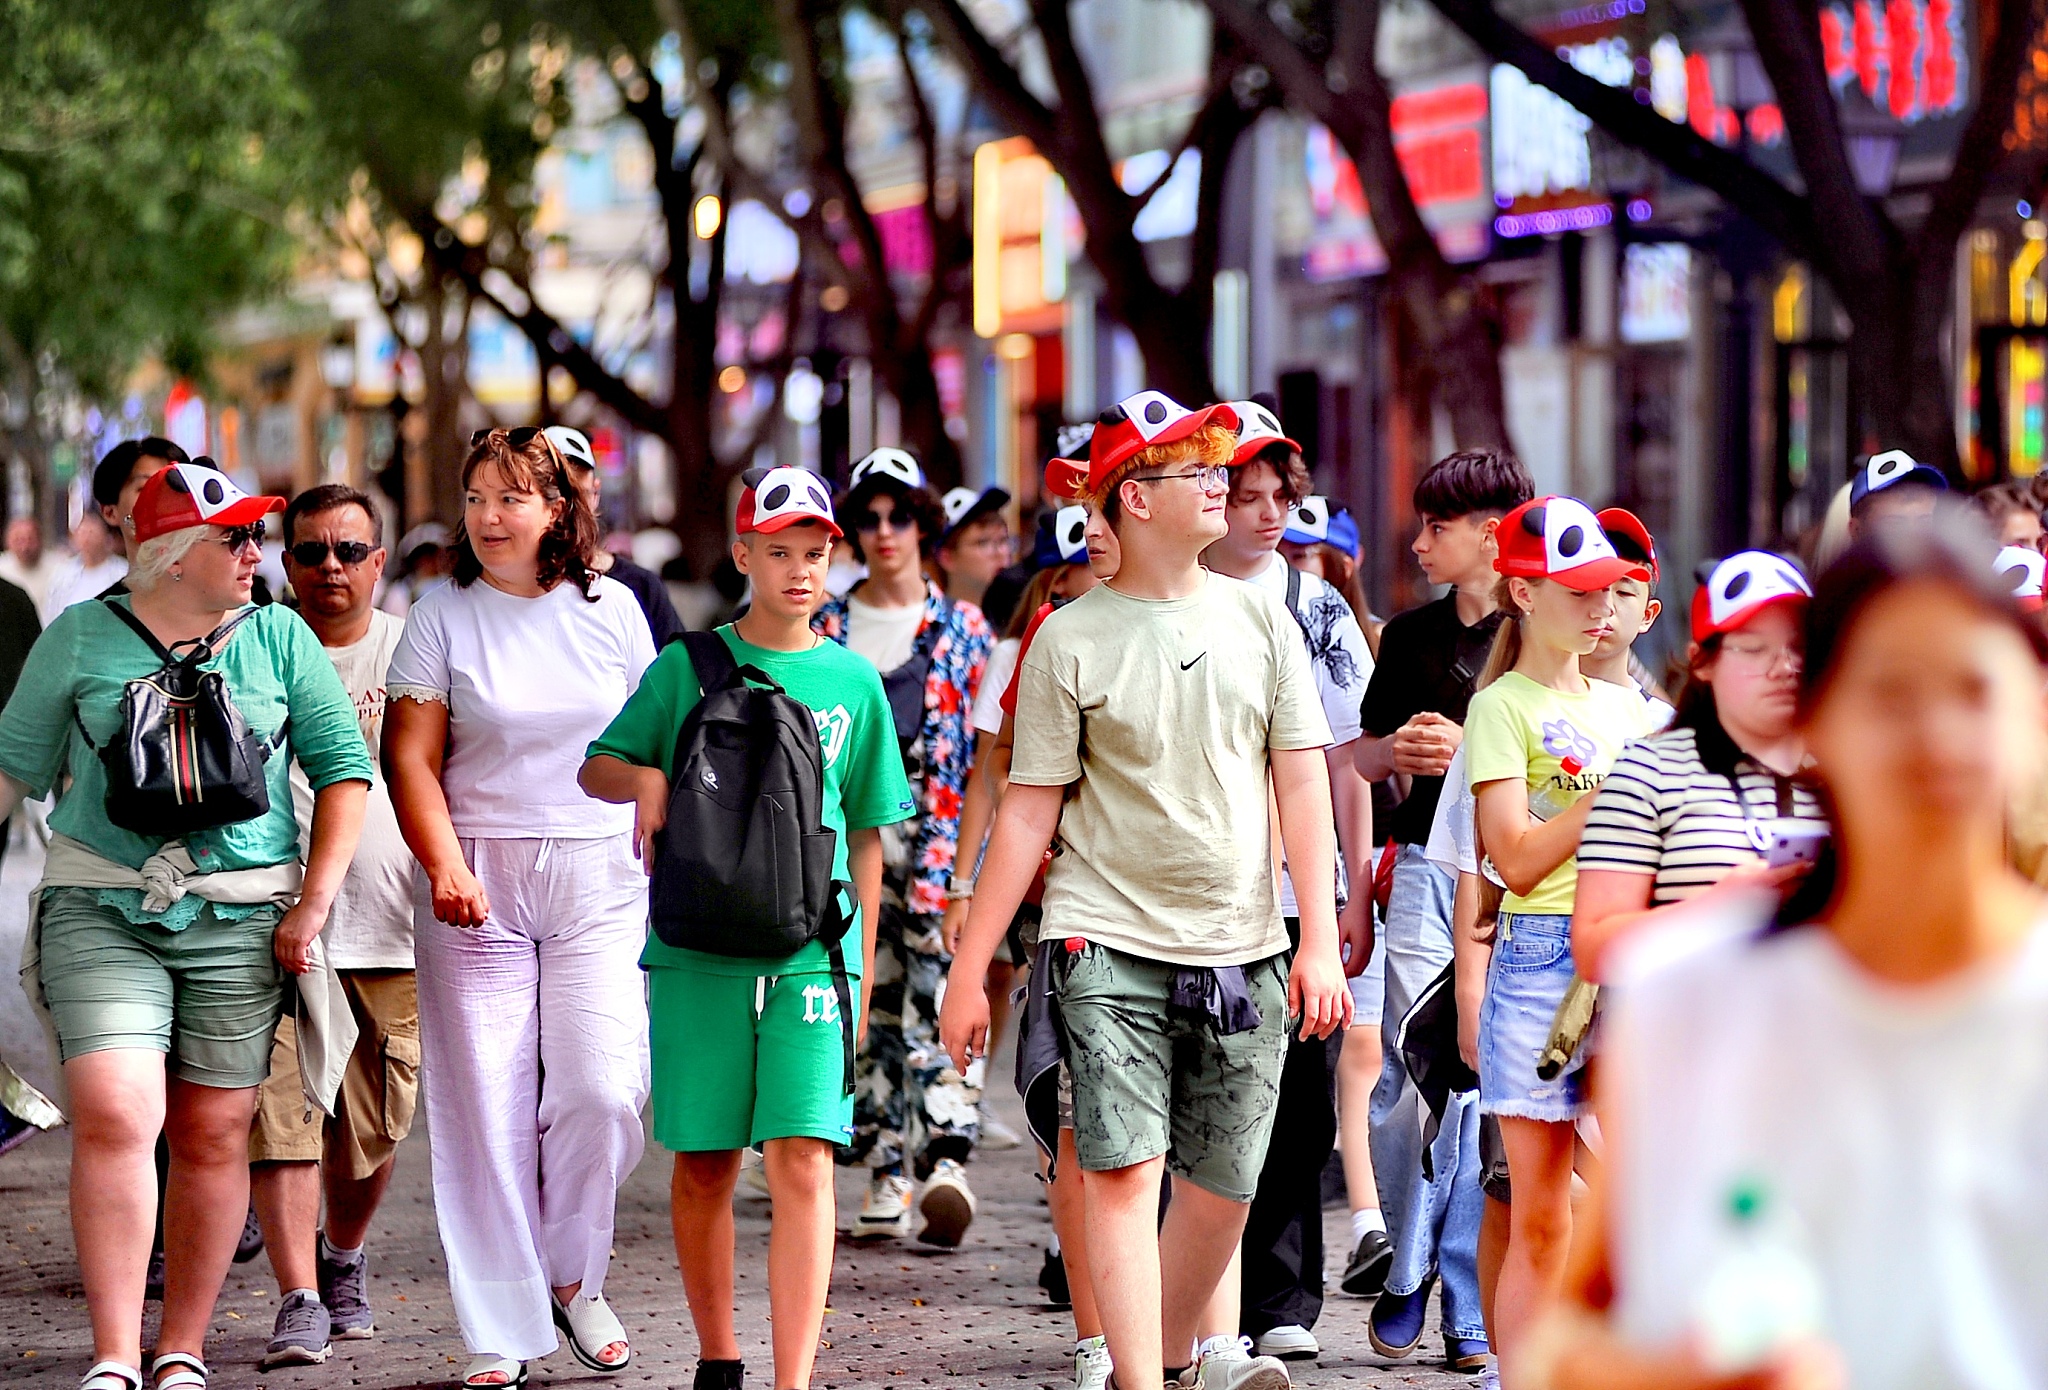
(1150,1079)
(209,995)
(741,1059)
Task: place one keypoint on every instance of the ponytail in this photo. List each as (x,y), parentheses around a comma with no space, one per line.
(1507,639)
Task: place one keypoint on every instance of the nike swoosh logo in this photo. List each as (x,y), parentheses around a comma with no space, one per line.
(1186,665)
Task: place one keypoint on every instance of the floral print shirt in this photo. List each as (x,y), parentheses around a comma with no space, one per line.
(939,778)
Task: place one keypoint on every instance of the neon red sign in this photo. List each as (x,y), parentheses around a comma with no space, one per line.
(1906,55)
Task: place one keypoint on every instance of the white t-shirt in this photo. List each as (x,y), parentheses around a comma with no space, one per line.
(77,582)
(529,683)
(885,636)
(370,927)
(1894,1132)
(987,714)
(35,582)
(1342,663)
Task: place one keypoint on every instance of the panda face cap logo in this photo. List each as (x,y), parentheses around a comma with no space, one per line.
(1559,538)
(1740,587)
(779,497)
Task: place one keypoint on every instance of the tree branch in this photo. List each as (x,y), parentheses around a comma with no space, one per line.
(2002,62)
(996,81)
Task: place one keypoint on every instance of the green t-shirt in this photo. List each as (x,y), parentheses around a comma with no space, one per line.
(275,669)
(1517,728)
(864,782)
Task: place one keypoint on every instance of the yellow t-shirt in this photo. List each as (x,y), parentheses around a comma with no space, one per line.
(1517,728)
(1159,716)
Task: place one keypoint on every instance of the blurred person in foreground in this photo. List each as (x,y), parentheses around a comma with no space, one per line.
(1822,1133)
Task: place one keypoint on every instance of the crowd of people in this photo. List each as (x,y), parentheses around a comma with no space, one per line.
(1668,1041)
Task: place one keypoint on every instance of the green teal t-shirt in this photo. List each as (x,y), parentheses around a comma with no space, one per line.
(864,782)
(275,669)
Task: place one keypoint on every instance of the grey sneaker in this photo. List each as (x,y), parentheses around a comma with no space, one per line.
(345,1290)
(300,1336)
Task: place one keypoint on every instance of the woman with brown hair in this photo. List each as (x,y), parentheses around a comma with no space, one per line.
(531,911)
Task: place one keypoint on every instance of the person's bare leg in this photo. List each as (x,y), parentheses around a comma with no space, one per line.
(117,1111)
(1199,1288)
(1122,1216)
(205,1206)
(351,1202)
(1539,1228)
(700,1208)
(800,1236)
(287,1201)
(1358,1071)
(1493,1249)
(996,985)
(1070,1223)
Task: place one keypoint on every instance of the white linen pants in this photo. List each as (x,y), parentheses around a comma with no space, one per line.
(533,1043)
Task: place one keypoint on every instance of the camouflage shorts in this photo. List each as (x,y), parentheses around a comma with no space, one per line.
(1151,1080)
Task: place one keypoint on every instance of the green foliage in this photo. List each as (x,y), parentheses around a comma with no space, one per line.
(146,159)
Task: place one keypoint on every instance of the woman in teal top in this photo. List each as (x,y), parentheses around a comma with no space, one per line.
(164,1017)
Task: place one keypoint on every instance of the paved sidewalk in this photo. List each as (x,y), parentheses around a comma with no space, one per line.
(901,1315)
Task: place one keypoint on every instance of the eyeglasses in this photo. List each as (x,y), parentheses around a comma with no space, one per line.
(1216,479)
(235,537)
(990,545)
(868,521)
(1765,658)
(312,554)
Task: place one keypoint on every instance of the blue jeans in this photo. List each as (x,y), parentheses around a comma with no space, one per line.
(1435,1225)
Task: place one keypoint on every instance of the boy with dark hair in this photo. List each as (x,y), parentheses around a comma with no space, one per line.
(744,1051)
(1414,707)
(1175,985)
(930,652)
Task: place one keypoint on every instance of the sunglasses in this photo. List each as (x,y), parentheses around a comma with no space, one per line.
(868,521)
(235,537)
(312,554)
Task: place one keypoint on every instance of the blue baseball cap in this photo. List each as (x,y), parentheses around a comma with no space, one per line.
(1890,469)
(1313,521)
(1062,538)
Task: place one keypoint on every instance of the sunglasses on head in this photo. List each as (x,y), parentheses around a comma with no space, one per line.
(312,554)
(235,537)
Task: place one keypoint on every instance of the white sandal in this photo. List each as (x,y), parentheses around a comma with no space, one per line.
(187,1372)
(591,1326)
(112,1375)
(486,1364)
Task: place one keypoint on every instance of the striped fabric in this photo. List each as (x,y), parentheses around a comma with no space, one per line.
(1662,812)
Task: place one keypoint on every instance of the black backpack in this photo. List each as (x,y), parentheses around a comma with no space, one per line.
(185,758)
(743,867)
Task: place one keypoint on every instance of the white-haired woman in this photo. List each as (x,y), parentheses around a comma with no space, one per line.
(164,997)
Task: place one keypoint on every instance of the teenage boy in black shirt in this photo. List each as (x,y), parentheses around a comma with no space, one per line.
(1414,709)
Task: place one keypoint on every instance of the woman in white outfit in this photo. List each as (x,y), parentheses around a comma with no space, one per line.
(532,909)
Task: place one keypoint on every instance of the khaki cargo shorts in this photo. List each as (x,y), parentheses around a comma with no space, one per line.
(379,1090)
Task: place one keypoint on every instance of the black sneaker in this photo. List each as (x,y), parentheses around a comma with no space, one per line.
(300,1337)
(1052,1277)
(153,1281)
(720,1375)
(1366,1275)
(345,1290)
(251,1244)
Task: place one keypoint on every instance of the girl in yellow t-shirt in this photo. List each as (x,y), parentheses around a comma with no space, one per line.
(1538,740)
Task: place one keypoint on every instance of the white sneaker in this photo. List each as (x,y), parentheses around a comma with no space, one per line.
(885,1211)
(1091,1364)
(995,1135)
(1489,1379)
(1227,1363)
(947,1205)
(753,1175)
(1290,1342)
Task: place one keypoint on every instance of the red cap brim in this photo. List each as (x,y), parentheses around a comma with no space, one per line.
(1066,479)
(1598,574)
(1220,413)
(789,519)
(1252,448)
(1702,608)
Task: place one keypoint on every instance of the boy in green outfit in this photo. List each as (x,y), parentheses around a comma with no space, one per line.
(751,1052)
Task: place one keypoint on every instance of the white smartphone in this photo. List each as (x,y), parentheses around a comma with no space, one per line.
(1794,845)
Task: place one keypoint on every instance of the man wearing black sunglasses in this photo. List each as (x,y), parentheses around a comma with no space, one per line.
(334,560)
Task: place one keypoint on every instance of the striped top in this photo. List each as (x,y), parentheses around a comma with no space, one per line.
(1663,812)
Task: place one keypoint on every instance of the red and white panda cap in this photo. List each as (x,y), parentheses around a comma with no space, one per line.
(1136,423)
(1257,431)
(2026,570)
(1559,538)
(779,497)
(195,494)
(1742,586)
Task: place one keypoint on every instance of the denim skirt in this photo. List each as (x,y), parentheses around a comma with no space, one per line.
(1526,981)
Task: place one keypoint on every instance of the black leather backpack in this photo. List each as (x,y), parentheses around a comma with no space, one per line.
(185,758)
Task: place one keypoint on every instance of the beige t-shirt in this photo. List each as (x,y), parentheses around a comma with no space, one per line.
(1161,713)
(370,926)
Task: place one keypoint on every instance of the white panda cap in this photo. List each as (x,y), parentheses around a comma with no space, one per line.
(2026,570)
(1741,586)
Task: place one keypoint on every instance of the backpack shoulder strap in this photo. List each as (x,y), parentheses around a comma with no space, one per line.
(1294,594)
(711,659)
(140,629)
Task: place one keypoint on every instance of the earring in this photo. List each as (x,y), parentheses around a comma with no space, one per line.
(177,576)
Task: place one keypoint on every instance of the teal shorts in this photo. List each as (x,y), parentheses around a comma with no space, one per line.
(741,1059)
(209,995)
